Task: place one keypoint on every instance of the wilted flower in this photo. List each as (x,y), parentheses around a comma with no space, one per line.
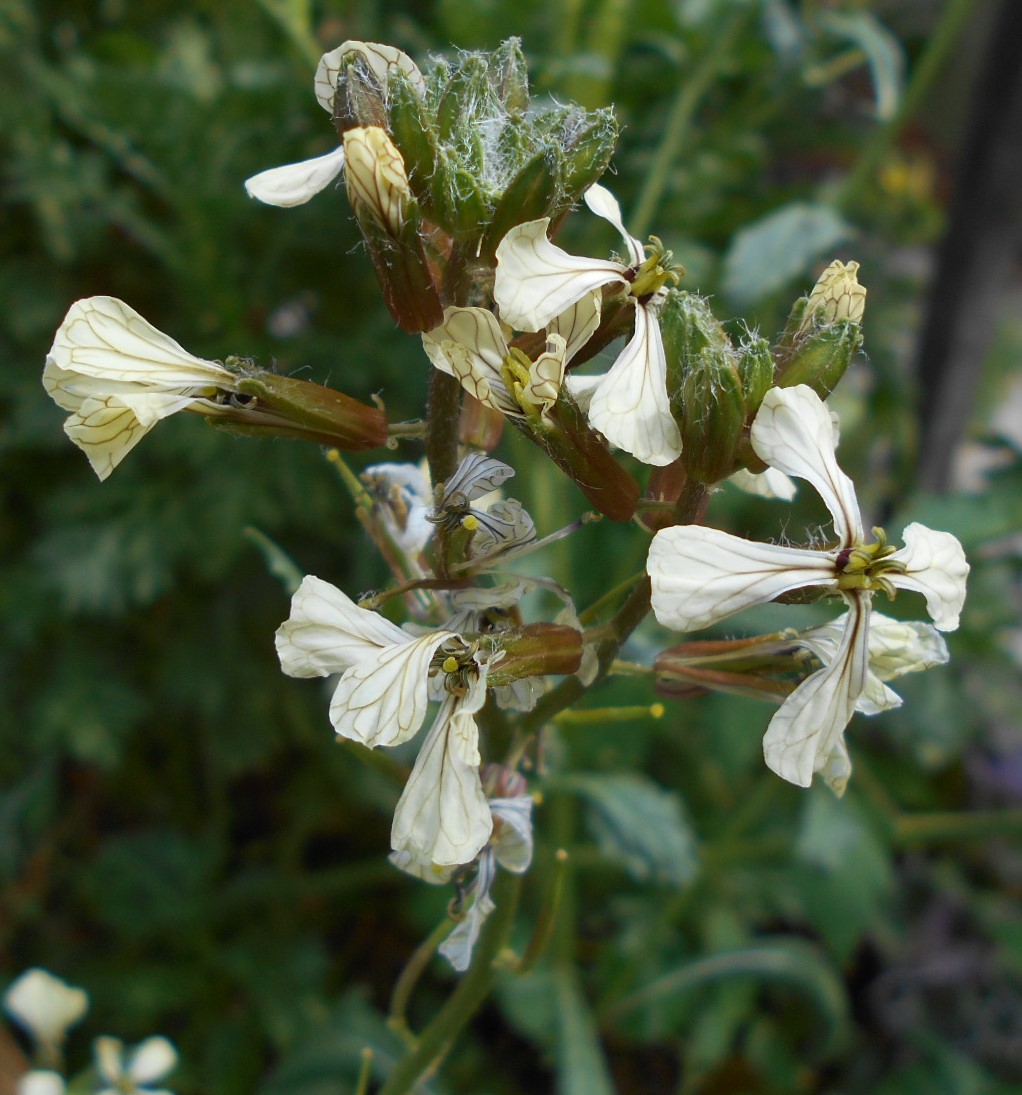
(295,183)
(381,699)
(46,1008)
(702,575)
(537,281)
(136,1072)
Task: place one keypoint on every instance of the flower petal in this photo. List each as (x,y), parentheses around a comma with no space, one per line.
(458,946)
(381,59)
(152,1060)
(805,736)
(897,647)
(537,281)
(327,632)
(935,566)
(443,815)
(701,575)
(294,184)
(382,700)
(631,407)
(512,841)
(106,431)
(45,1006)
(766,484)
(41,1082)
(470,345)
(103,337)
(577,324)
(603,203)
(793,432)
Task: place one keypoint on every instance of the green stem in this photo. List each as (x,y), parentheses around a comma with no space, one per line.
(910,829)
(940,44)
(466,999)
(679,123)
(410,975)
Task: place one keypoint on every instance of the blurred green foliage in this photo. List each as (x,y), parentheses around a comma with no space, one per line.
(180,833)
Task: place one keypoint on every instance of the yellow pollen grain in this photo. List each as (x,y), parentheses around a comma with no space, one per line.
(450,665)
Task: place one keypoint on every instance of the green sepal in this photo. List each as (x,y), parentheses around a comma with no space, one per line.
(536,650)
(588,152)
(403,272)
(467,95)
(509,76)
(459,205)
(411,132)
(756,370)
(821,358)
(712,415)
(270,404)
(528,197)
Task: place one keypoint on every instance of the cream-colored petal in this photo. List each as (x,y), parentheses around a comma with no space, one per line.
(106,431)
(546,375)
(536,281)
(443,815)
(701,575)
(469,344)
(577,324)
(294,184)
(382,700)
(897,647)
(381,60)
(45,1006)
(458,946)
(327,632)
(935,566)
(103,337)
(805,735)
(583,388)
(512,840)
(766,484)
(603,203)
(152,1060)
(41,1082)
(793,432)
(631,407)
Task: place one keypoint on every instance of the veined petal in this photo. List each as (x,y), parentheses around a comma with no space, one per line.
(512,841)
(701,575)
(536,281)
(794,433)
(771,483)
(106,431)
(381,59)
(897,647)
(805,736)
(443,815)
(458,946)
(582,388)
(631,407)
(327,632)
(294,184)
(935,566)
(577,324)
(382,700)
(603,203)
(825,641)
(470,345)
(104,337)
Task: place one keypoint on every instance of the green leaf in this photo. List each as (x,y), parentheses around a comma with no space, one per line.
(883,54)
(767,254)
(640,825)
(581,1068)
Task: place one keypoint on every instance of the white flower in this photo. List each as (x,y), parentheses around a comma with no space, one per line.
(41,1082)
(45,1007)
(702,575)
(402,497)
(510,848)
(381,699)
(765,484)
(118,376)
(150,1061)
(295,183)
(471,346)
(537,281)
(896,647)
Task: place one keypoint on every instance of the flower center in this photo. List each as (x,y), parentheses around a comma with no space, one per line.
(869,566)
(456,660)
(659,269)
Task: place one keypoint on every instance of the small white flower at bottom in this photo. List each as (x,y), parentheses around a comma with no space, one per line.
(45,1006)
(136,1072)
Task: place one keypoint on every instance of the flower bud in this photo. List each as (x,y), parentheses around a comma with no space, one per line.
(589,143)
(823,332)
(375,174)
(388,215)
(756,370)
(459,203)
(411,131)
(529,196)
(265,403)
(536,650)
(467,95)
(509,76)
(352,82)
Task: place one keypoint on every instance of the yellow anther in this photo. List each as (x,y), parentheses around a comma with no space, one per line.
(450,664)
(470,522)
